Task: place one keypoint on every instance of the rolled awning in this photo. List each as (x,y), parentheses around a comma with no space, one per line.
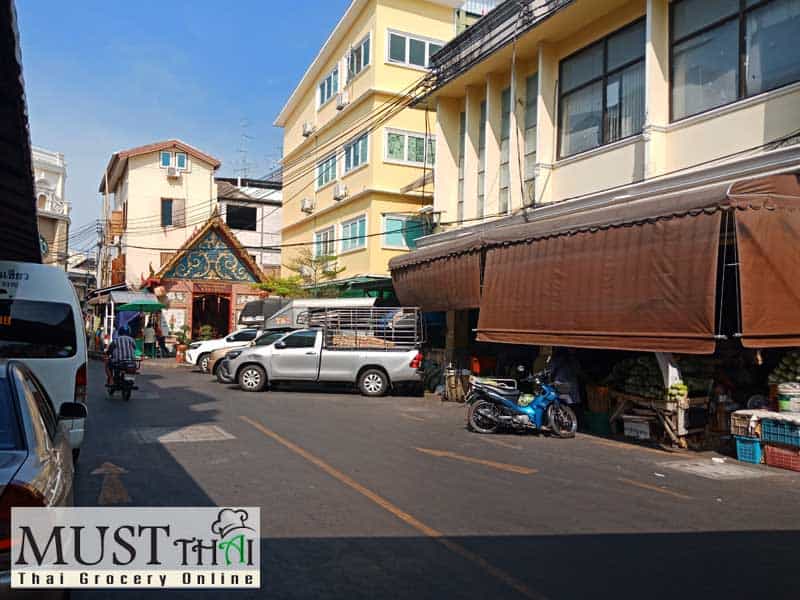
(768,242)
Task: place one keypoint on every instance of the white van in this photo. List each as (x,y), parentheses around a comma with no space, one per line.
(41,325)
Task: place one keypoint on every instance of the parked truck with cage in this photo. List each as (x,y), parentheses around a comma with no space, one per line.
(374,348)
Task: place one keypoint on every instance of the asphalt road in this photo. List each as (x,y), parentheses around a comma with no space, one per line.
(393,498)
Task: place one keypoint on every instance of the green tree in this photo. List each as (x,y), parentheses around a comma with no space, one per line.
(287,287)
(316,271)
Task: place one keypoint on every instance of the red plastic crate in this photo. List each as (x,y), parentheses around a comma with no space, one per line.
(783,458)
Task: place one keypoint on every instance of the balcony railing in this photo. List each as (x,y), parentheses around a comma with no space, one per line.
(479,7)
(54,207)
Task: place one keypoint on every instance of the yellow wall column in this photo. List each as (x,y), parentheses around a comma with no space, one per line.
(494,89)
(546,125)
(656,87)
(445,199)
(517,137)
(473,117)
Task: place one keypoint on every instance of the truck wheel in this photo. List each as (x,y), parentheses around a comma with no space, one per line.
(373,382)
(252,378)
(202,362)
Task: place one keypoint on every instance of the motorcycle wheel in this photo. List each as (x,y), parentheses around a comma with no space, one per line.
(562,420)
(126,394)
(480,423)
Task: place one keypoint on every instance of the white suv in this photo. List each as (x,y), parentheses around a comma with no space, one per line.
(199,352)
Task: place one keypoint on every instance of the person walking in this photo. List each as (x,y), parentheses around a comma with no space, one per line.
(160,337)
(150,340)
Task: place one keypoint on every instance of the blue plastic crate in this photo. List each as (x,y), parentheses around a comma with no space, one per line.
(780,432)
(748,449)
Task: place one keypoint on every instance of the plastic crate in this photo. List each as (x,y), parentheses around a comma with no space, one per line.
(740,425)
(748,449)
(597,422)
(780,432)
(782,458)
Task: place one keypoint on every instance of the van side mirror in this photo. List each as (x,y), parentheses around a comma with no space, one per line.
(280,345)
(72,410)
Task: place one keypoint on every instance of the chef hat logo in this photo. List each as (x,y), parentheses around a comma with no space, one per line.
(228,520)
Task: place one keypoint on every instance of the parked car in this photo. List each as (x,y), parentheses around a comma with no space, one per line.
(36,466)
(312,355)
(217,357)
(199,353)
(41,324)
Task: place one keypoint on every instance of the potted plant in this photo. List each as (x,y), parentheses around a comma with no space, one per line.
(182,337)
(206,332)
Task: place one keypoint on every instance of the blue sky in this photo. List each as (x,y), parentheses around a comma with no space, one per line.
(102,76)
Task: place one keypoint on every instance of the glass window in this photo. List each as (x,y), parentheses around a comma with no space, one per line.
(166,212)
(462,146)
(482,160)
(531,108)
(772,46)
(397,47)
(354,234)
(241,217)
(10,434)
(401,231)
(180,160)
(433,49)
(269,338)
(708,48)
(324,242)
(247,335)
(36,329)
(166,159)
(395,146)
(505,135)
(301,339)
(416,149)
(355,153)
(358,58)
(326,171)
(329,86)
(590,87)
(416,52)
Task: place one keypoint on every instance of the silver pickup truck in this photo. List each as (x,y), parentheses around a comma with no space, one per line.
(371,348)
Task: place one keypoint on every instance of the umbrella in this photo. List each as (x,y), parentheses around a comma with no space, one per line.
(147,306)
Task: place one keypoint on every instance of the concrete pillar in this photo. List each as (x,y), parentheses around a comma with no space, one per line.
(517,138)
(445,195)
(494,89)
(473,101)
(547,124)
(656,87)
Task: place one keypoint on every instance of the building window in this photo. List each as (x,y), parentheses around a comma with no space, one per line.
(324,242)
(166,159)
(354,234)
(329,86)
(482,161)
(356,153)
(401,232)
(166,212)
(602,92)
(41,202)
(241,217)
(410,148)
(326,171)
(728,50)
(462,147)
(180,160)
(358,58)
(411,50)
(531,107)
(505,149)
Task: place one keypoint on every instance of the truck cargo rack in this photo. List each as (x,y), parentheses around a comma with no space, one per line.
(367,328)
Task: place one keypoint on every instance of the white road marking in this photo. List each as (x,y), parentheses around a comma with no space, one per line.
(190,433)
(712,470)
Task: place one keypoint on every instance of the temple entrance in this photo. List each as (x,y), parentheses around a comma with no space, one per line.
(213,310)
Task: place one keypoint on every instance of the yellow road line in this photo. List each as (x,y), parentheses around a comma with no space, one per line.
(655,488)
(491,440)
(415,523)
(478,461)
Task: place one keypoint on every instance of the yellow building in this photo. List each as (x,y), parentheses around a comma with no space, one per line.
(355,161)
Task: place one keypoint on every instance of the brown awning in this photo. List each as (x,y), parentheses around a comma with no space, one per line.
(647,286)
(449,283)
(768,240)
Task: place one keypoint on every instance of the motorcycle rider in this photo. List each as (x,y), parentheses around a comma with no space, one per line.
(121,350)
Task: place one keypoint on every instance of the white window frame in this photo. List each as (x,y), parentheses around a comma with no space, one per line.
(329,229)
(335,178)
(384,243)
(409,36)
(429,139)
(186,164)
(364,67)
(342,235)
(161,154)
(346,147)
(336,69)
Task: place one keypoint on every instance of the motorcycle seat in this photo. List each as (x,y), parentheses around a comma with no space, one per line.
(507,392)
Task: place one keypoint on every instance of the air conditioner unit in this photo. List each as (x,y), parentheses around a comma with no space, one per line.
(308,129)
(307,205)
(173,172)
(342,100)
(339,191)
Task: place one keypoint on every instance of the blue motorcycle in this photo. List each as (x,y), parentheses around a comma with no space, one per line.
(494,404)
